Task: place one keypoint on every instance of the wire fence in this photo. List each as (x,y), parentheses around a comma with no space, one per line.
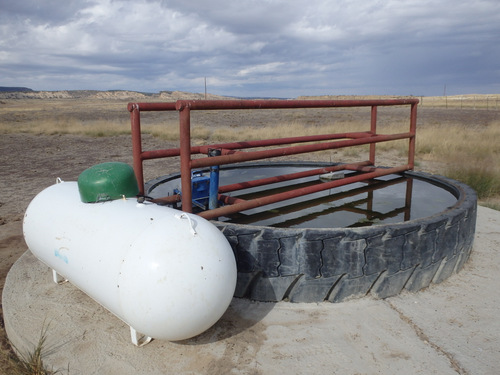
(485,102)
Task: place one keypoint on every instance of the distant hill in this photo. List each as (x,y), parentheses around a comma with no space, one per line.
(15,89)
(26,93)
(477,100)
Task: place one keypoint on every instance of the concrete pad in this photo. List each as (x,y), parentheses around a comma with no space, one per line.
(449,328)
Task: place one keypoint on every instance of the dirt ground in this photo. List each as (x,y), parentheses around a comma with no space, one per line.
(31,162)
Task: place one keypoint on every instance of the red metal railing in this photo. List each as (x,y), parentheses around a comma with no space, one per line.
(233,152)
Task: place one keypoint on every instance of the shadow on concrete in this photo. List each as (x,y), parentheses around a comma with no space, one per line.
(241,315)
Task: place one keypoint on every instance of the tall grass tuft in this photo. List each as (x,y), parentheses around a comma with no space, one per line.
(31,362)
(484,179)
(471,154)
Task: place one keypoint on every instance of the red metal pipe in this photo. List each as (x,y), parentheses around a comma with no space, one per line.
(284,141)
(288,177)
(160,106)
(135,121)
(258,202)
(373,129)
(283,104)
(185,154)
(157,154)
(226,199)
(285,151)
(413,132)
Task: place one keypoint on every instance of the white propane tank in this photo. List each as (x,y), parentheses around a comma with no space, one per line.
(167,274)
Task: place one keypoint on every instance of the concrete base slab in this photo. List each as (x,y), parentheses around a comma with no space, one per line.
(448,328)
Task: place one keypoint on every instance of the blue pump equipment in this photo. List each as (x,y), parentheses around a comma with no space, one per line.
(205,189)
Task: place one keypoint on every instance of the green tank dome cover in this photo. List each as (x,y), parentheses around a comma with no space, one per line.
(107,181)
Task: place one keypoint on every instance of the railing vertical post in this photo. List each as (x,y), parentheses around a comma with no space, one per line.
(135,120)
(185,155)
(413,132)
(369,205)
(373,129)
(409,193)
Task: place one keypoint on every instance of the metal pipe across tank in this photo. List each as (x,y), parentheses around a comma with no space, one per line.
(289,177)
(240,205)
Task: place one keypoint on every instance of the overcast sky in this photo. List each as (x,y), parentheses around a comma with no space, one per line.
(272,48)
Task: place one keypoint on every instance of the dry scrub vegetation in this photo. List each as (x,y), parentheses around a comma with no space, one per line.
(456,136)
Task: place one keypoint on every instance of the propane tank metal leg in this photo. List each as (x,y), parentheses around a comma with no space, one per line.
(138,339)
(58,279)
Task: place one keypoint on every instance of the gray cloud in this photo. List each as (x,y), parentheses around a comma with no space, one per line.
(42,12)
(253,48)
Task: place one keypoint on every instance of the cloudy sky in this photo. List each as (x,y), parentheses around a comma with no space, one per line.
(274,48)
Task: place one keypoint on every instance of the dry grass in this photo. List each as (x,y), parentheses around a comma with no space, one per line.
(463,138)
(31,362)
(96,128)
(471,154)
(461,141)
